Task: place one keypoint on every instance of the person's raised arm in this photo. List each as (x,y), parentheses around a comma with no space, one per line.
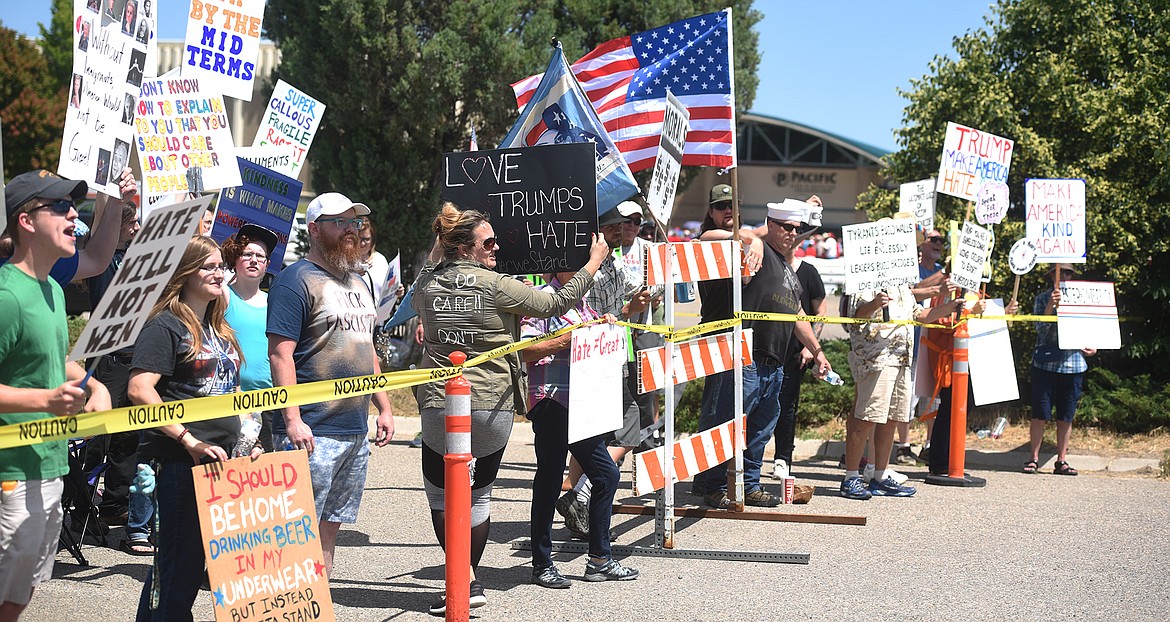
(107,226)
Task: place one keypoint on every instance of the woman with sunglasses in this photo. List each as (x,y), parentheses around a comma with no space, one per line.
(465,305)
(185,350)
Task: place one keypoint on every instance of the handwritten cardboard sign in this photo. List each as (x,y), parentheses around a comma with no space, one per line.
(265,198)
(542,202)
(596,360)
(1055,215)
(971,254)
(260,539)
(223,45)
(292,118)
(880,255)
(184,142)
(1087,316)
(109,62)
(1022,256)
(149,263)
(970,158)
(992,203)
(993,369)
(917,197)
(664,183)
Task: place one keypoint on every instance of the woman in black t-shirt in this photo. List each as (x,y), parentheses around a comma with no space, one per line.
(185,350)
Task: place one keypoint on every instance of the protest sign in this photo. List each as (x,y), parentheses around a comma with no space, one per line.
(390,292)
(597,357)
(1087,316)
(109,62)
(265,198)
(1055,215)
(992,203)
(4,214)
(279,158)
(149,262)
(223,45)
(664,182)
(542,202)
(974,246)
(292,118)
(260,539)
(184,142)
(993,368)
(970,158)
(1022,256)
(917,197)
(880,254)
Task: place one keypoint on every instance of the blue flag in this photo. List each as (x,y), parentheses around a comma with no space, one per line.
(559,113)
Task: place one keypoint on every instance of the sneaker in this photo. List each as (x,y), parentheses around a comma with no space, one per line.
(476,596)
(905,456)
(761,498)
(890,488)
(779,469)
(609,571)
(869,472)
(416,442)
(717,500)
(575,512)
(854,488)
(924,455)
(550,577)
(438,608)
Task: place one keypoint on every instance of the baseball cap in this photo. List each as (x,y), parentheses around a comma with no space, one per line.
(629,209)
(332,204)
(40,183)
(267,237)
(722,192)
(612,217)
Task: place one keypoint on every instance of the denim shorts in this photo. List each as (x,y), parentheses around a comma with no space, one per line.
(338,468)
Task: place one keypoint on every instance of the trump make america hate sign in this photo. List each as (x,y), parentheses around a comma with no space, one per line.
(970,158)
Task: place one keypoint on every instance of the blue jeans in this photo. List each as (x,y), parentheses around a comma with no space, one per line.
(139,521)
(178,562)
(761,404)
(550,425)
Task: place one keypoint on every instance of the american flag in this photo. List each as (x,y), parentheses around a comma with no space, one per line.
(626,80)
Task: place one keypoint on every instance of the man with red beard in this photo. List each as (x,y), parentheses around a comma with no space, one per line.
(320,326)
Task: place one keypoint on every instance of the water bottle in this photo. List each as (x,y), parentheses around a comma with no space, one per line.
(997,428)
(249,434)
(683,293)
(834,378)
(983,433)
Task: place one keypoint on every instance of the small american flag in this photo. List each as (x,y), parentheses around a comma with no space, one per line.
(626,80)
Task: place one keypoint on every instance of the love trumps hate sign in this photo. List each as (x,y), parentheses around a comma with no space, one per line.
(541,201)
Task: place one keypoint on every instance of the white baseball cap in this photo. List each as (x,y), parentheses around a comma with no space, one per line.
(332,204)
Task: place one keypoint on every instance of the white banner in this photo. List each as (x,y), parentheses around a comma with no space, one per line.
(279,158)
(917,197)
(664,183)
(1087,316)
(974,246)
(292,118)
(596,360)
(1055,213)
(970,158)
(993,368)
(390,292)
(880,255)
(149,262)
(223,45)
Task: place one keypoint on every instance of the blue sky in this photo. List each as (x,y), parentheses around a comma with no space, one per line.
(834,65)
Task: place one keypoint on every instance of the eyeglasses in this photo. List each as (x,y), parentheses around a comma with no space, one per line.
(787,226)
(59,207)
(344,223)
(489,243)
(212,267)
(259,257)
(365,240)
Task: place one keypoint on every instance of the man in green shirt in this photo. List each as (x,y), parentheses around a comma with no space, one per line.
(35,380)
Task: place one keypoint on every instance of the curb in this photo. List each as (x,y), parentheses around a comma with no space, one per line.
(1005,460)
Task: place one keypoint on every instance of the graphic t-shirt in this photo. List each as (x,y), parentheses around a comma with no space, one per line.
(164,347)
(33,341)
(332,321)
(773,289)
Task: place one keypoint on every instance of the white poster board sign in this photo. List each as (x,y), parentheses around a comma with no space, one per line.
(1022,257)
(1055,215)
(974,246)
(291,118)
(917,197)
(880,255)
(992,204)
(109,62)
(184,142)
(279,158)
(149,262)
(223,45)
(1087,316)
(970,158)
(596,359)
(390,292)
(993,369)
(664,182)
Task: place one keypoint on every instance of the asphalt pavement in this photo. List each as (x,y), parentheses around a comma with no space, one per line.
(1091,547)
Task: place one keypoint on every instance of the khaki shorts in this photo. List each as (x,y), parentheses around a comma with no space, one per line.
(883,395)
(30,523)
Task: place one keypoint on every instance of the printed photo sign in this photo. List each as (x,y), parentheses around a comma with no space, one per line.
(881,254)
(970,158)
(223,45)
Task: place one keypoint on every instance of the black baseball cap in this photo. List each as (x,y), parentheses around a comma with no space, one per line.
(41,183)
(259,234)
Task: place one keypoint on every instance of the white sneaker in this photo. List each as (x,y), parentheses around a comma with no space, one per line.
(869,471)
(779,470)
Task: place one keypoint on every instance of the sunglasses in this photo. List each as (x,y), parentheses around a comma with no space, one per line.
(59,207)
(722,206)
(935,240)
(787,226)
(489,243)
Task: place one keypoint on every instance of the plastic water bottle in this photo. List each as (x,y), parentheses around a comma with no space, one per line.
(249,434)
(834,378)
(998,426)
(983,433)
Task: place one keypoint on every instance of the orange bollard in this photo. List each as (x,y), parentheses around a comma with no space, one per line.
(457,502)
(959,375)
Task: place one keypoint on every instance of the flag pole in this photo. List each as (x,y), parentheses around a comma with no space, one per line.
(735,484)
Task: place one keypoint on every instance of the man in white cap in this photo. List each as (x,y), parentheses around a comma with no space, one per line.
(320,324)
(773,289)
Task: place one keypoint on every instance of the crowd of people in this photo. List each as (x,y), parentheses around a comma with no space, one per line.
(217,329)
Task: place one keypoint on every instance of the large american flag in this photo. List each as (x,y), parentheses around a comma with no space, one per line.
(626,80)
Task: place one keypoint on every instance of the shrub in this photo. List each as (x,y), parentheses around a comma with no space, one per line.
(1129,405)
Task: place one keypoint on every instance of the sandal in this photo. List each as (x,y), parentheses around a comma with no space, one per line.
(1062,468)
(141,548)
(1031,466)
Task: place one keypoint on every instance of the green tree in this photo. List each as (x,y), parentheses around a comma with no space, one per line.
(57,43)
(1080,85)
(403,81)
(31,106)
